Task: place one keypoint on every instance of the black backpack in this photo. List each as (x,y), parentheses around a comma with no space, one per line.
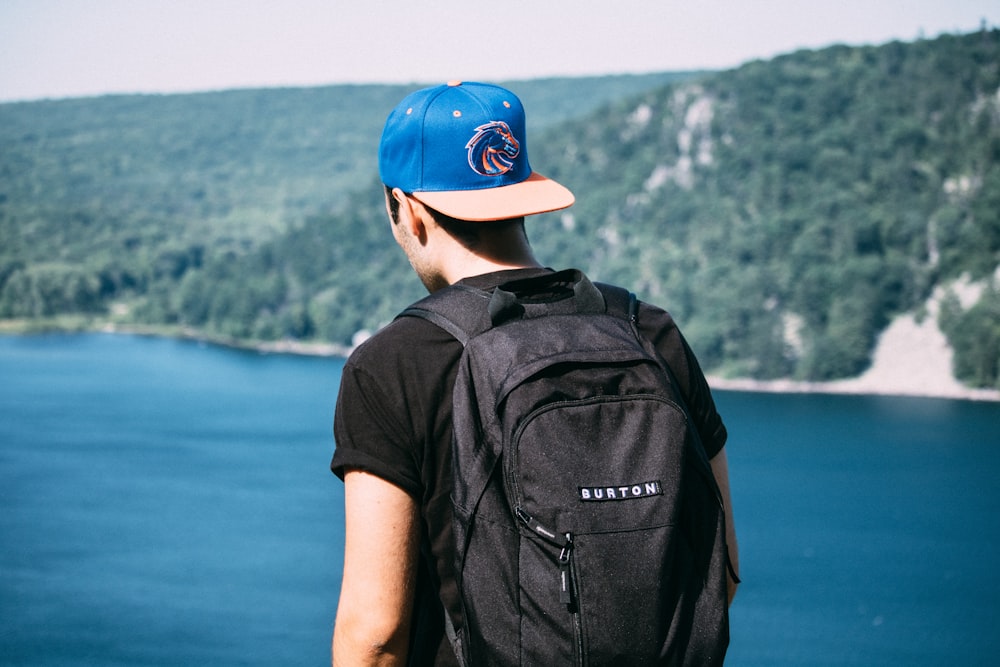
(589,528)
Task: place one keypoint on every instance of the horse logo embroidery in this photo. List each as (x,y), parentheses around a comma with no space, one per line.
(492,149)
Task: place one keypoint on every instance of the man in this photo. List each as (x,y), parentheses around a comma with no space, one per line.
(458,184)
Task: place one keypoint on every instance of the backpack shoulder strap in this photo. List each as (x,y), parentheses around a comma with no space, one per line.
(620,301)
(465,312)
(458,309)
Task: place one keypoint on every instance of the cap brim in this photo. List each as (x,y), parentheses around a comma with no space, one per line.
(535,194)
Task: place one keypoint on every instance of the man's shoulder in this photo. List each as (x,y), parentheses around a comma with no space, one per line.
(403,339)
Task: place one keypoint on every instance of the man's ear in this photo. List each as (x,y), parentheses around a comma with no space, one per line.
(393,200)
(411,214)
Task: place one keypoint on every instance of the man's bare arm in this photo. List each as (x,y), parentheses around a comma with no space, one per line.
(720,468)
(381,549)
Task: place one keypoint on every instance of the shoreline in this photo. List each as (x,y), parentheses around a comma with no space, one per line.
(891,374)
(849,387)
(871,383)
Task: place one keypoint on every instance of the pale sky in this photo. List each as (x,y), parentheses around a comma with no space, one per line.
(71,48)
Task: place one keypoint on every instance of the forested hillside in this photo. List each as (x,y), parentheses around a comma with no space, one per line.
(106,201)
(784,211)
(787,209)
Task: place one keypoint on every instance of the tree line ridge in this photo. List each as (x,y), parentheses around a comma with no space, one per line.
(784,211)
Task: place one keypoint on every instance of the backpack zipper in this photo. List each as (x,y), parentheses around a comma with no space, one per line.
(566,573)
(565,553)
(567,580)
(568,596)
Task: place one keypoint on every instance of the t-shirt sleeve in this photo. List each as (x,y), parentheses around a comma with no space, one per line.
(702,407)
(394,405)
(369,432)
(663,332)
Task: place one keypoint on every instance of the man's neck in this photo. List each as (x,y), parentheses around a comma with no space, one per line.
(497,250)
(481,266)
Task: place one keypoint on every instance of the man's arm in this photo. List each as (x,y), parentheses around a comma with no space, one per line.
(720,468)
(381,549)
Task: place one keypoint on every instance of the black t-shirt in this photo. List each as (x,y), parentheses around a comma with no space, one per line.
(393,420)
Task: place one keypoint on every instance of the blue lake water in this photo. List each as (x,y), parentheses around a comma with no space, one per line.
(169,503)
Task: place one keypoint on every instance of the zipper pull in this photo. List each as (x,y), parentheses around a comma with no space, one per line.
(565,553)
(565,573)
(538,528)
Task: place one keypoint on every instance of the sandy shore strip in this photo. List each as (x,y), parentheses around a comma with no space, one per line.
(912,359)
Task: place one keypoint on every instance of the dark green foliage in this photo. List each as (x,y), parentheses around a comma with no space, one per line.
(783,211)
(44,290)
(842,185)
(975,334)
(189,209)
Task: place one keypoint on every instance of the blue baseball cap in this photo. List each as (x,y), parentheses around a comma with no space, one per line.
(461,149)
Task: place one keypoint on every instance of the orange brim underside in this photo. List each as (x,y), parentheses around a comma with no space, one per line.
(536,194)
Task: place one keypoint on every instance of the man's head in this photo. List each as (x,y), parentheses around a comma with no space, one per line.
(471,235)
(461,149)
